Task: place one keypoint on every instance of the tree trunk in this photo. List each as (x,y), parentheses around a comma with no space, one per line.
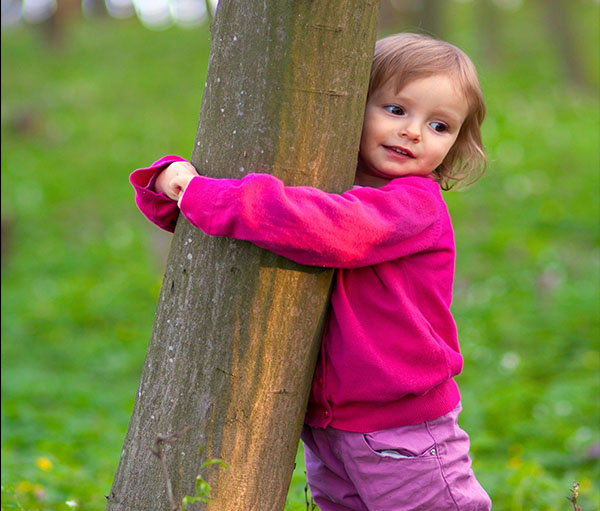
(561,33)
(489,20)
(432,18)
(238,329)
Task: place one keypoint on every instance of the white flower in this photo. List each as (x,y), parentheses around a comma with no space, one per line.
(71,503)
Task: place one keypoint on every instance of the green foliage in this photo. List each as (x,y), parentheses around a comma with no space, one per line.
(201,488)
(82,270)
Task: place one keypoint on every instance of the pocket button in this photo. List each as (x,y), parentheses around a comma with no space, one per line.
(432,452)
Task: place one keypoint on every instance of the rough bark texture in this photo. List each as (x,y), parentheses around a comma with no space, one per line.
(237,329)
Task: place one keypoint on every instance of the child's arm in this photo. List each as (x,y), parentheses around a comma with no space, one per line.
(154,191)
(361,227)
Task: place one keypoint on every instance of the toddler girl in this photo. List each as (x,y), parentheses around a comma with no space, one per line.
(381,427)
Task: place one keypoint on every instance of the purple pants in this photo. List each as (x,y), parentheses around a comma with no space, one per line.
(421,467)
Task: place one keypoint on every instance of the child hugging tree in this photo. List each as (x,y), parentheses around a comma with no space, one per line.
(381,428)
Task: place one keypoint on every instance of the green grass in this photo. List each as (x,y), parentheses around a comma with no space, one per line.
(82,270)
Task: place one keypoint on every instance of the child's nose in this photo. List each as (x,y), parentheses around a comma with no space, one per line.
(411,131)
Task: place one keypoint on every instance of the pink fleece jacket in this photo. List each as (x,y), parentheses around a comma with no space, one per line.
(390,348)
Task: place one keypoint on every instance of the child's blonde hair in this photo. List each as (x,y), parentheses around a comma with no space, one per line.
(406,57)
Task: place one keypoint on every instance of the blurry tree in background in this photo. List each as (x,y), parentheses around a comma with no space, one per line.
(562,33)
(429,16)
(154,14)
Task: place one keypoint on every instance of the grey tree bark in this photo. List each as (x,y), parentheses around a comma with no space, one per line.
(237,328)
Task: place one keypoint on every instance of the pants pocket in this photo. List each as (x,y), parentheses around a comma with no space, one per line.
(397,470)
(414,442)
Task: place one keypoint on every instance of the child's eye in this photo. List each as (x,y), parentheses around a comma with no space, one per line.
(440,127)
(394,109)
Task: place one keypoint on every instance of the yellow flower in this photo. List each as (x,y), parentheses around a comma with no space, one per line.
(515,463)
(44,463)
(24,487)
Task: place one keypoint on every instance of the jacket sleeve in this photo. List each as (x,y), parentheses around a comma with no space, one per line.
(156,207)
(360,227)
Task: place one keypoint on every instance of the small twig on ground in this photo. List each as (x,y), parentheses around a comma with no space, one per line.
(574,496)
(310,505)
(158,452)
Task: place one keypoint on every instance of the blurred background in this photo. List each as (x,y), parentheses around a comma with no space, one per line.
(93,90)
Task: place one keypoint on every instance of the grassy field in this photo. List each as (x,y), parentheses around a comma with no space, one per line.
(81,268)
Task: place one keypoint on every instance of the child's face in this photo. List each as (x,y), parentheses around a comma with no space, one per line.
(409,132)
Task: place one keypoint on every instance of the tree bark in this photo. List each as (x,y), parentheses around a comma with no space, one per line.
(237,329)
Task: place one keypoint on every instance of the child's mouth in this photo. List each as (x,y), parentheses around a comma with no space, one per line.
(399,150)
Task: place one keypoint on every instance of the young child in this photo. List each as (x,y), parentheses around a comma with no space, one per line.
(381,427)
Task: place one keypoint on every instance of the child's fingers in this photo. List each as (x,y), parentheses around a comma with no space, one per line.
(183,168)
(172,190)
(174,179)
(179,184)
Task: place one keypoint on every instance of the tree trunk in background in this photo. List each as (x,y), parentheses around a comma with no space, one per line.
(53,27)
(393,16)
(412,15)
(489,23)
(432,18)
(237,329)
(560,31)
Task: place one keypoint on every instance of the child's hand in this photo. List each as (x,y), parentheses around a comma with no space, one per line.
(174,179)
